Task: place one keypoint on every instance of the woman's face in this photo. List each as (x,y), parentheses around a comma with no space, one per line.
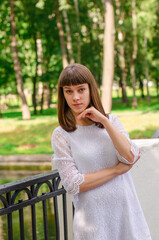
(77,97)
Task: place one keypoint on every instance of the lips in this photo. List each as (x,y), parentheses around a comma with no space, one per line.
(77,105)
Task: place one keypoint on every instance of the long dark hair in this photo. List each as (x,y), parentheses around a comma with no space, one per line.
(75,74)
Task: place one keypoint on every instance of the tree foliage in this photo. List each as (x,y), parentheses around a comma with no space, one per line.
(36,21)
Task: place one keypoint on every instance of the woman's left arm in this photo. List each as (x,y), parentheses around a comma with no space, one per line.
(127,151)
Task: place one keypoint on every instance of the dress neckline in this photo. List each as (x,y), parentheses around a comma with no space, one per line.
(83,126)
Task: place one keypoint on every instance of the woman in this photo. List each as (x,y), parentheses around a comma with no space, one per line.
(94,154)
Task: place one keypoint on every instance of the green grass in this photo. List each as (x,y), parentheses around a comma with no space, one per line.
(26,137)
(26,167)
(120,107)
(141,122)
(15,113)
(33,136)
(141,125)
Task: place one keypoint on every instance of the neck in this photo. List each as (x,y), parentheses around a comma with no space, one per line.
(84,122)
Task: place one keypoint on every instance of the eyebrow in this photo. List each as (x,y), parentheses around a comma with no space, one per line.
(68,87)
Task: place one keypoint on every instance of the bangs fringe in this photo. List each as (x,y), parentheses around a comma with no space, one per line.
(72,78)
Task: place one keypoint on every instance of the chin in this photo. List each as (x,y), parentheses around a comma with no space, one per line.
(80,110)
(77,112)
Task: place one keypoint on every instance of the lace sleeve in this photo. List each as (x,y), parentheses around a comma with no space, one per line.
(134,148)
(70,176)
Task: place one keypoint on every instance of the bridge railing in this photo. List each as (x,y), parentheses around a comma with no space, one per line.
(11,201)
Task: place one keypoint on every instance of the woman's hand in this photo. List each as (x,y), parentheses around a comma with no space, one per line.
(123,168)
(93,114)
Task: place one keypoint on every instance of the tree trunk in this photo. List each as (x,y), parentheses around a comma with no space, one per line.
(39,66)
(42,98)
(120,16)
(17,68)
(34,94)
(50,95)
(46,95)
(35,77)
(108,61)
(61,35)
(69,38)
(147,75)
(157,86)
(92,67)
(134,54)
(141,88)
(123,74)
(40,95)
(133,80)
(147,86)
(78,33)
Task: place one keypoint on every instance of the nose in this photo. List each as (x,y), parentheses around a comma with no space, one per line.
(76,96)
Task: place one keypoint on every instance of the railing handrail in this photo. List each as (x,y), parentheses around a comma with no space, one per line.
(25,182)
(9,196)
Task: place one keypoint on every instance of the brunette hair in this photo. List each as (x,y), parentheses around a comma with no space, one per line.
(75,74)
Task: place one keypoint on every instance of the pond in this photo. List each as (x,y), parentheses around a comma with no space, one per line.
(9,176)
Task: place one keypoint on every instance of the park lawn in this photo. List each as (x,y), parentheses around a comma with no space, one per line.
(33,136)
(141,122)
(141,125)
(27,136)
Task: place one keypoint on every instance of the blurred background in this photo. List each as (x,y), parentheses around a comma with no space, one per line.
(117,40)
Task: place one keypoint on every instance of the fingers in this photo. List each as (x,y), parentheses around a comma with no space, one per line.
(91,113)
(124,167)
(85,113)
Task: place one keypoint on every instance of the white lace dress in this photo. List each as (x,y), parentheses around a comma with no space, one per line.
(111,211)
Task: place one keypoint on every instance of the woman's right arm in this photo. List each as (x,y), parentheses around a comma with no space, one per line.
(73,181)
(96,179)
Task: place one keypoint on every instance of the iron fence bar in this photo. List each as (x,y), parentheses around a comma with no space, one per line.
(65,216)
(56,219)
(12,189)
(33,217)
(21,220)
(9,219)
(26,182)
(10,229)
(45,219)
(29,202)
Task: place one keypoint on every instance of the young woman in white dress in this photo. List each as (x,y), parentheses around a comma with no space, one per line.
(93,154)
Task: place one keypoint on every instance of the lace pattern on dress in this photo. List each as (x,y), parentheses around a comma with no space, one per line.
(134,148)
(70,176)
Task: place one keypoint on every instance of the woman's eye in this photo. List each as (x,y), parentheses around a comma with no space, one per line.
(68,91)
(82,89)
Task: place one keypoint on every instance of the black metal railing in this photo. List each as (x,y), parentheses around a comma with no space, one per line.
(9,196)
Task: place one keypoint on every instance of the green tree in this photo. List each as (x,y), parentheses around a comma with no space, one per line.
(108,62)
(17,67)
